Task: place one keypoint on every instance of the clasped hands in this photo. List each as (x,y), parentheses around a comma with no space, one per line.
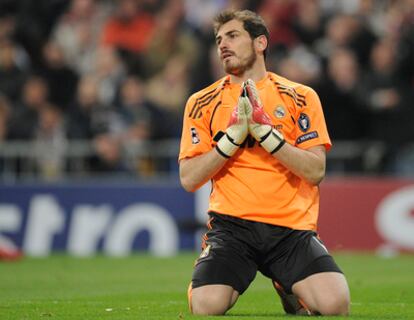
(247,117)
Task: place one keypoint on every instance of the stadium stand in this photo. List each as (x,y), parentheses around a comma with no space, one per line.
(83,96)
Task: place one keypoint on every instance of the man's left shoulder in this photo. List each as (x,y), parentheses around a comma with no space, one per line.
(284,84)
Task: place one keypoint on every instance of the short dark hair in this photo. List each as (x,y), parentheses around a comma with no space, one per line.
(252,23)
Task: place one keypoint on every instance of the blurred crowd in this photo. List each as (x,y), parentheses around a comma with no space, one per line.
(118,72)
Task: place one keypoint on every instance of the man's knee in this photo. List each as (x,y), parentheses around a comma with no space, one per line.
(324,293)
(212,299)
(208,306)
(334,305)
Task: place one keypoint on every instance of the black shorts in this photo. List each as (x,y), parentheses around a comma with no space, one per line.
(237,248)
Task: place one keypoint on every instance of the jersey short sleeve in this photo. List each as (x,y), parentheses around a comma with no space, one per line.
(195,136)
(311,127)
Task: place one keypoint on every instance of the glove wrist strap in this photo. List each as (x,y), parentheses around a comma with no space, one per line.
(273,141)
(226,147)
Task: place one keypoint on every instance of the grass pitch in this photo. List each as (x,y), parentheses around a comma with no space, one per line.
(144,287)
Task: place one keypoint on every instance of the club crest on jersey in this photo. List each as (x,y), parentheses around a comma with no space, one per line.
(194,136)
(304,122)
(279,112)
(205,252)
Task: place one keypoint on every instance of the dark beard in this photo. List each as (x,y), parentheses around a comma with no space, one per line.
(243,66)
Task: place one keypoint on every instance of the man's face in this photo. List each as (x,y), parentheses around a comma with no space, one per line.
(235,48)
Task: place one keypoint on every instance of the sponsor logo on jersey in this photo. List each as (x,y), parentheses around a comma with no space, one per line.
(279,112)
(195,139)
(304,122)
(306,137)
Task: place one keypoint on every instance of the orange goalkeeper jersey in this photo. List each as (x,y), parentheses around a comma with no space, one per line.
(253,185)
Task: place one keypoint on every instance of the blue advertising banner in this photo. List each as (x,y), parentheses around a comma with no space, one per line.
(83,219)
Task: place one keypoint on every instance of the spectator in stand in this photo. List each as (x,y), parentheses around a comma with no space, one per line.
(25,114)
(372,13)
(279,16)
(88,116)
(199,13)
(338,34)
(138,123)
(309,24)
(174,81)
(380,89)
(110,71)
(343,114)
(109,157)
(142,121)
(404,36)
(4,117)
(61,79)
(331,45)
(91,120)
(347,31)
(34,23)
(50,143)
(78,33)
(12,69)
(172,37)
(129,30)
(388,101)
(300,65)
(5,109)
(134,110)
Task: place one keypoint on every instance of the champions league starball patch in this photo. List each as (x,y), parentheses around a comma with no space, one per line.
(304,122)
(194,136)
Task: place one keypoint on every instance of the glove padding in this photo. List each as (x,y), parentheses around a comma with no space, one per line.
(260,124)
(237,129)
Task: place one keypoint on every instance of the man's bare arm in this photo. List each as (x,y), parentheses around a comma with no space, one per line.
(308,164)
(194,172)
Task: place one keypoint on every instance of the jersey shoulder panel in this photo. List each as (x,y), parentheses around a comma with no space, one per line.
(202,101)
(295,91)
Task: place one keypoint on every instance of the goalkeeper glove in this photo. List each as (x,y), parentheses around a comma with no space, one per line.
(237,129)
(260,124)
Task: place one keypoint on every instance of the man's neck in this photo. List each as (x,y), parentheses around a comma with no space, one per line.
(257,72)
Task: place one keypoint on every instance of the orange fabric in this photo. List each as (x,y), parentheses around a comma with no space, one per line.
(253,185)
(134,35)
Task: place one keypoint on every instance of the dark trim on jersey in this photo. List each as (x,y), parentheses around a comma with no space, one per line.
(299,104)
(199,99)
(298,95)
(206,99)
(198,113)
(299,99)
(212,116)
